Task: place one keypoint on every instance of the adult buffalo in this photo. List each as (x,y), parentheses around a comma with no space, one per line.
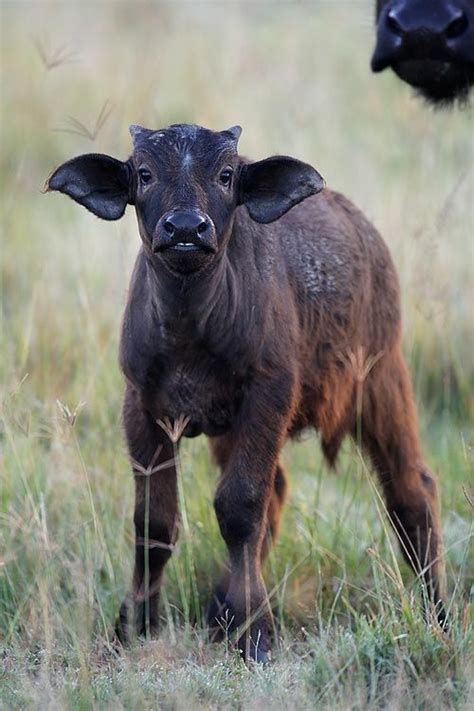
(429,44)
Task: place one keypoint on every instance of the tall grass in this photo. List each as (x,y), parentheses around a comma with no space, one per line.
(295,75)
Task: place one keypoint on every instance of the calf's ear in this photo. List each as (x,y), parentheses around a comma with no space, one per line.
(101,183)
(271,187)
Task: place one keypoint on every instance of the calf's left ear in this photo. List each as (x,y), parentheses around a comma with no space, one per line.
(101,183)
(271,187)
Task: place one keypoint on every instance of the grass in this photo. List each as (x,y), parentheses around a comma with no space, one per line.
(349,634)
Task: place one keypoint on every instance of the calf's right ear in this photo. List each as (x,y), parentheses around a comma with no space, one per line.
(101,183)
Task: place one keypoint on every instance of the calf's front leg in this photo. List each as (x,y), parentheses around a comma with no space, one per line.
(155,517)
(241,503)
(221,448)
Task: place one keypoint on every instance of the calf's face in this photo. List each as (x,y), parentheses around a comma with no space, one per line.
(185,191)
(429,44)
(185,183)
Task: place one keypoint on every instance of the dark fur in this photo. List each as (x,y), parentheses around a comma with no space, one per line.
(429,44)
(286,325)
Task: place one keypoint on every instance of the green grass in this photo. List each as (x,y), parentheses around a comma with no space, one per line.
(349,633)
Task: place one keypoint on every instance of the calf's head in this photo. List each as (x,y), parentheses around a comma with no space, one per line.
(185,183)
(429,44)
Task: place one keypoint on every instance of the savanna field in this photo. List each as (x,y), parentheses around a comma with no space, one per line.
(349,629)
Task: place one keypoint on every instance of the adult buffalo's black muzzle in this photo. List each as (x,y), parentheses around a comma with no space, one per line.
(408,31)
(185,231)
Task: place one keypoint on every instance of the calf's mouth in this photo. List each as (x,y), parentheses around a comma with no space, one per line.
(184,247)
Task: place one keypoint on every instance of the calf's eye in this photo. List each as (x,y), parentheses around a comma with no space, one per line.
(144,175)
(225,178)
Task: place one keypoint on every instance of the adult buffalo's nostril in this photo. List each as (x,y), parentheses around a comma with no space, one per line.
(169,227)
(393,24)
(457,26)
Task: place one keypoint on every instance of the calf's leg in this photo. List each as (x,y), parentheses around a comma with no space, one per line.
(275,507)
(155,517)
(221,448)
(242,503)
(390,435)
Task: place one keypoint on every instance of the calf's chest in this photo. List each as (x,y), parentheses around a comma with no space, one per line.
(205,391)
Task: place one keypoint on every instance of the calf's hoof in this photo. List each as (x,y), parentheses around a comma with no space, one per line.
(218,616)
(255,644)
(257,655)
(132,622)
(442,616)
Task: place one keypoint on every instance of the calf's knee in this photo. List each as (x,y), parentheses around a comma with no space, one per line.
(239,514)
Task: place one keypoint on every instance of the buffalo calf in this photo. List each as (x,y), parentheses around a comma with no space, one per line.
(429,44)
(257,308)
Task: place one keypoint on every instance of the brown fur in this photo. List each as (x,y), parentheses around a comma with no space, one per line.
(312,357)
(272,320)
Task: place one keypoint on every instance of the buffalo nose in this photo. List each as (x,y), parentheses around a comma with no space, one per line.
(416,29)
(186,225)
(445,21)
(185,230)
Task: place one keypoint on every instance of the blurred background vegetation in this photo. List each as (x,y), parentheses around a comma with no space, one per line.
(296,76)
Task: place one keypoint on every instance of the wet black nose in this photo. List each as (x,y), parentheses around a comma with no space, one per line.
(185,226)
(416,29)
(449,22)
(184,231)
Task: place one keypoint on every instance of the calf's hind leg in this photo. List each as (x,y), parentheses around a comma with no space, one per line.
(155,517)
(390,435)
